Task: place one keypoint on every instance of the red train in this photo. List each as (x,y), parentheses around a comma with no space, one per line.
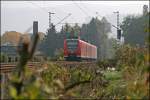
(78,50)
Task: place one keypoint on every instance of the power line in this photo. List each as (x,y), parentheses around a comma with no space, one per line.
(38,6)
(50,15)
(70,23)
(29,29)
(63,4)
(63,19)
(45,10)
(56,16)
(109,22)
(83,5)
(81,9)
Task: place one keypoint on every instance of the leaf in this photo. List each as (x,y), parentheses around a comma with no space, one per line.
(13,92)
(59,83)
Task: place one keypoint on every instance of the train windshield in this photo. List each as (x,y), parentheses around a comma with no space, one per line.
(72,44)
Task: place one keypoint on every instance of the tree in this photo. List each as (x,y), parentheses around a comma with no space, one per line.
(145,9)
(49,44)
(3,57)
(134,29)
(76,29)
(12,37)
(67,30)
(95,33)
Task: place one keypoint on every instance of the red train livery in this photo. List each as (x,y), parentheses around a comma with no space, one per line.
(78,50)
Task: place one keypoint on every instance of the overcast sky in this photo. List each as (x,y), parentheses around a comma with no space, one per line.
(19,15)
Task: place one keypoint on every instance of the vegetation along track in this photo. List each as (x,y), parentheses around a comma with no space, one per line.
(9,67)
(74,63)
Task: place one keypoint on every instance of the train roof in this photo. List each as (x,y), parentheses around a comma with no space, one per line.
(87,43)
(83,42)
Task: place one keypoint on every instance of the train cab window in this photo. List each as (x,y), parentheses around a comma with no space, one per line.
(72,44)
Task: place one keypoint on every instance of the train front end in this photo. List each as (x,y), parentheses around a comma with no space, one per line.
(72,50)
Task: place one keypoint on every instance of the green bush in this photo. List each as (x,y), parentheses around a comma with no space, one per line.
(112,75)
(3,57)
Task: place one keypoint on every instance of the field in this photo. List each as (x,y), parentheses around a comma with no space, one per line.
(34,64)
(59,80)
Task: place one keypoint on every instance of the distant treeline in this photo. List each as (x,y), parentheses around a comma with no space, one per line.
(135,30)
(95,32)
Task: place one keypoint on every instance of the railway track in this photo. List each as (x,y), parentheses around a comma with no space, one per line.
(74,63)
(9,67)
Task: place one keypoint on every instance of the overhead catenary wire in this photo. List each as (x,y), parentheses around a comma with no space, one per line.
(68,4)
(70,23)
(109,22)
(63,19)
(48,12)
(83,5)
(81,9)
(29,29)
(98,15)
(45,10)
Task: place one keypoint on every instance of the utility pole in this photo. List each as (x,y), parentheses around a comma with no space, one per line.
(117,12)
(50,13)
(118,26)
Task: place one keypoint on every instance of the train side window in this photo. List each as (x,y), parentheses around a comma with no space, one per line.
(87,50)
